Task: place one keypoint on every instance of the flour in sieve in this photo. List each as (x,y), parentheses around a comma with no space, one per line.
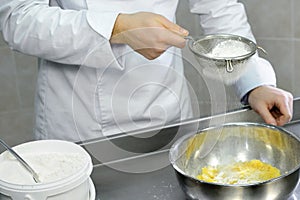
(49,166)
(229,49)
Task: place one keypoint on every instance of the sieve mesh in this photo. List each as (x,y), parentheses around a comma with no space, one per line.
(222,56)
(222,47)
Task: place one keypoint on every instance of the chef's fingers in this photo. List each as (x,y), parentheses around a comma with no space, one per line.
(291,105)
(175,40)
(273,104)
(176,33)
(283,112)
(174,27)
(266,114)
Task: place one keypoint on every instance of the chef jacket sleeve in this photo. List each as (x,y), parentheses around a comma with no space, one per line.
(65,36)
(229,16)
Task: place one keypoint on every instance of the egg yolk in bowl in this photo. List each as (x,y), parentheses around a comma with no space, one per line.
(248,172)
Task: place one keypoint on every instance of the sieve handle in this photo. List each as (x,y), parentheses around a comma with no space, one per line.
(229,67)
(189,38)
(262,49)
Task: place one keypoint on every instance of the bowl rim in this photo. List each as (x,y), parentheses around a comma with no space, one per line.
(269,126)
(247,41)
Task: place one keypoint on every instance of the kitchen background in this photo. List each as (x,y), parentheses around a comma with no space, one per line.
(276,26)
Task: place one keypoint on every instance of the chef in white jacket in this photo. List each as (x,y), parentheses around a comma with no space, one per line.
(110,66)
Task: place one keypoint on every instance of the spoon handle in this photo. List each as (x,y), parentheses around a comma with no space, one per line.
(21,160)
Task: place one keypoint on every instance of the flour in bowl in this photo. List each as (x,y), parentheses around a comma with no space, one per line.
(49,167)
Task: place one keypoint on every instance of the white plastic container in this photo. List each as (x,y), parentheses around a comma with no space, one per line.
(77,186)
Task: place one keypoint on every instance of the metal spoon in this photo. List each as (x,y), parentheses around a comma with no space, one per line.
(22,161)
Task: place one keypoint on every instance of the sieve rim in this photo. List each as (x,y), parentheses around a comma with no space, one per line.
(252,45)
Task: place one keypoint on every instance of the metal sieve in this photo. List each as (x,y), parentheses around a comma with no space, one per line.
(203,46)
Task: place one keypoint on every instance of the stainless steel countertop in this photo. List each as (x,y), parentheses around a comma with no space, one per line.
(135,166)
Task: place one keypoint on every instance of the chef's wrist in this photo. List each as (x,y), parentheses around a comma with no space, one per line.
(119,27)
(244,99)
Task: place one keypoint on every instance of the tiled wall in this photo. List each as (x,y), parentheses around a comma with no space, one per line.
(17,85)
(276,25)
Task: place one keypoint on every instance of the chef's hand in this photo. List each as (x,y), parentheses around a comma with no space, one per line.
(147,33)
(274,105)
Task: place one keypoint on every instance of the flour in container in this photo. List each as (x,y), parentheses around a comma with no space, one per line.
(49,166)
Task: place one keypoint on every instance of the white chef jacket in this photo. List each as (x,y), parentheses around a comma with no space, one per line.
(88,87)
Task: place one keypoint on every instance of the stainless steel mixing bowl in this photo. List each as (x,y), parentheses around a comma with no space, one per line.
(238,142)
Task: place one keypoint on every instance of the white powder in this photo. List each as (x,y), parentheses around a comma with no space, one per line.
(229,49)
(49,167)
